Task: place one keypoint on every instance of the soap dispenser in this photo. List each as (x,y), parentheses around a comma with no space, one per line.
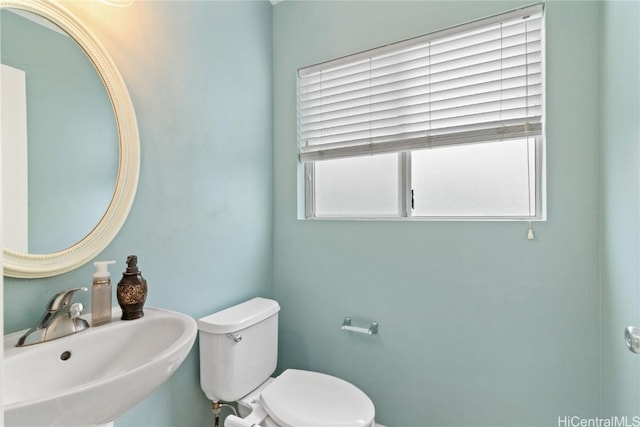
(101,294)
(132,291)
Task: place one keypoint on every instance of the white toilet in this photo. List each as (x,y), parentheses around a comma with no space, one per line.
(238,354)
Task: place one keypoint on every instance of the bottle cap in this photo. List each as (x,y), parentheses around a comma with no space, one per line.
(102,271)
(132,265)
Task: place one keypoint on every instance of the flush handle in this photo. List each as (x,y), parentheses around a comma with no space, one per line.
(235,337)
(632,338)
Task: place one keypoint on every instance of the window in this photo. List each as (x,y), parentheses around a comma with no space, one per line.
(447,125)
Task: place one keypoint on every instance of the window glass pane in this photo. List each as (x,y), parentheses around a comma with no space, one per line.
(492,179)
(357,186)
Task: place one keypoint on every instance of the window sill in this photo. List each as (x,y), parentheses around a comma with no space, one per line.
(426,219)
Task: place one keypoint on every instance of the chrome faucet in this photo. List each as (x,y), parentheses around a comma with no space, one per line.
(62,318)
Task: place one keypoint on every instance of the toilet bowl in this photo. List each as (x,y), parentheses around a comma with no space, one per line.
(238,355)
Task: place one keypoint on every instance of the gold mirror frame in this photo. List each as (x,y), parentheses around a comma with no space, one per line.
(23,265)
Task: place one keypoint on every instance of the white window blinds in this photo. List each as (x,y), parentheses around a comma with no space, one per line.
(477,82)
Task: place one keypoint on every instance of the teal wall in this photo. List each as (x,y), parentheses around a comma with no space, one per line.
(478,325)
(620,132)
(199,74)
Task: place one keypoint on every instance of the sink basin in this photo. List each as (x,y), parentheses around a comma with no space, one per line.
(96,375)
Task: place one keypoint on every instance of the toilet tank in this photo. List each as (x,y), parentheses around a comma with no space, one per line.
(238,348)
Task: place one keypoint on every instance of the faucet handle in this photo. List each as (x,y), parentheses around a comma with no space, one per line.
(75,310)
(62,298)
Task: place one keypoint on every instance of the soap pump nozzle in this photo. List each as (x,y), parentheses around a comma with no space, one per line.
(132,265)
(102,270)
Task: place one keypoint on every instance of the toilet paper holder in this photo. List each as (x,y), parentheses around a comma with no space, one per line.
(371,330)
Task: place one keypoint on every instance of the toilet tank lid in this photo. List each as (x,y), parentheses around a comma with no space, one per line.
(239,316)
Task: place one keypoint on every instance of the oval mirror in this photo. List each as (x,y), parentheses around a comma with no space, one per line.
(70,176)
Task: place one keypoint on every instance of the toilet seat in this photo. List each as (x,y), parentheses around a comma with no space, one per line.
(311,399)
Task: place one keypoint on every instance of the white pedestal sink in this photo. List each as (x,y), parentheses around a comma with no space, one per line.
(94,376)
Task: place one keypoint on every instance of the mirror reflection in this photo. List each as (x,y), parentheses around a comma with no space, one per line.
(59,137)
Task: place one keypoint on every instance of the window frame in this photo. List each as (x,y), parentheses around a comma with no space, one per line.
(405,197)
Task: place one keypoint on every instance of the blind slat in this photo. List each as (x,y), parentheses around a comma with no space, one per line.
(532,12)
(424,142)
(424,84)
(416,103)
(365,136)
(483,83)
(437,90)
(496,59)
(416,115)
(410,59)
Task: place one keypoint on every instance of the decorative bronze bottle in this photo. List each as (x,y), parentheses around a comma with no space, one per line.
(132,291)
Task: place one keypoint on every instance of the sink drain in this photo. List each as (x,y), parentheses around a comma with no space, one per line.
(65,355)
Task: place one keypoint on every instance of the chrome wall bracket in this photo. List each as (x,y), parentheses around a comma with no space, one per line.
(372,329)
